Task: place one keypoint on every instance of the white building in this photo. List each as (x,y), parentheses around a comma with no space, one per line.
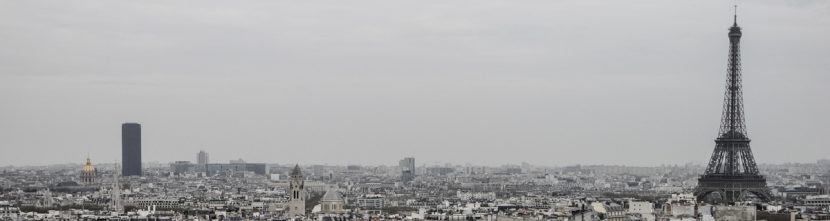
(644,209)
(332,202)
(370,201)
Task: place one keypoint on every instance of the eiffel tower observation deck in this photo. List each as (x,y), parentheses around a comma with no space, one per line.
(732,175)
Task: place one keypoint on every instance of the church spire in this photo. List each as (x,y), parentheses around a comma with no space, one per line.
(296,171)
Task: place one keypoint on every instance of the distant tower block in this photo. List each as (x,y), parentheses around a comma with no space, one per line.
(88,173)
(131,149)
(407,166)
(732,172)
(296,205)
(202,158)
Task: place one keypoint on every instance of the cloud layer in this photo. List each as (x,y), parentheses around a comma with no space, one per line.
(368,82)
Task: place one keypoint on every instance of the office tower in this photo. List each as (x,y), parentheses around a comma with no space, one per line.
(407,166)
(732,172)
(202,158)
(131,149)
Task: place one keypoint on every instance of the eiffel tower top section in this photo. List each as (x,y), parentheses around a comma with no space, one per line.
(733,124)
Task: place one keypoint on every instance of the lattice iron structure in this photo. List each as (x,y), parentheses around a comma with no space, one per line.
(732,172)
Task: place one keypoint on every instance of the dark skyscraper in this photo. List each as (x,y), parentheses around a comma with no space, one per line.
(131,149)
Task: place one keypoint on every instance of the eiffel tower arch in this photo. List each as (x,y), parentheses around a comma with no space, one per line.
(732,174)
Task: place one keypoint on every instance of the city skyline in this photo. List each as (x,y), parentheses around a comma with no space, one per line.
(415,110)
(164,164)
(441,83)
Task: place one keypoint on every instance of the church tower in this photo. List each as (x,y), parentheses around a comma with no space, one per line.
(296,204)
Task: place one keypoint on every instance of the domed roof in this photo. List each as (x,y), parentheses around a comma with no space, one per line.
(331,196)
(88,166)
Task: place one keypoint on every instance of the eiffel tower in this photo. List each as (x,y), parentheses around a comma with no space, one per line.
(732,172)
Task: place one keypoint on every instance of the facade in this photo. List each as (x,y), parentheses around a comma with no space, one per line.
(296,203)
(441,171)
(800,192)
(202,158)
(131,149)
(215,168)
(7,210)
(88,173)
(163,204)
(644,209)
(615,212)
(182,167)
(476,195)
(734,213)
(825,182)
(822,200)
(372,201)
(407,166)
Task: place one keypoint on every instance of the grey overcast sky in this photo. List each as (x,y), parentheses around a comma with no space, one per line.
(548,82)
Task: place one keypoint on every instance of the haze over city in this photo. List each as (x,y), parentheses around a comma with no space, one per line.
(369,82)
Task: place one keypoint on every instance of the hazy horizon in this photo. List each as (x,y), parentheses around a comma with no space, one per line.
(153,164)
(369,82)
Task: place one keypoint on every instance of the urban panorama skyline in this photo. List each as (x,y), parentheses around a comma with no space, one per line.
(550,83)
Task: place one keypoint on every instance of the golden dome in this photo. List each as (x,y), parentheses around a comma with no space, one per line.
(88,166)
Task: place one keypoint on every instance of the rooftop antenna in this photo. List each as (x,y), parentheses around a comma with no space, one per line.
(736,15)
